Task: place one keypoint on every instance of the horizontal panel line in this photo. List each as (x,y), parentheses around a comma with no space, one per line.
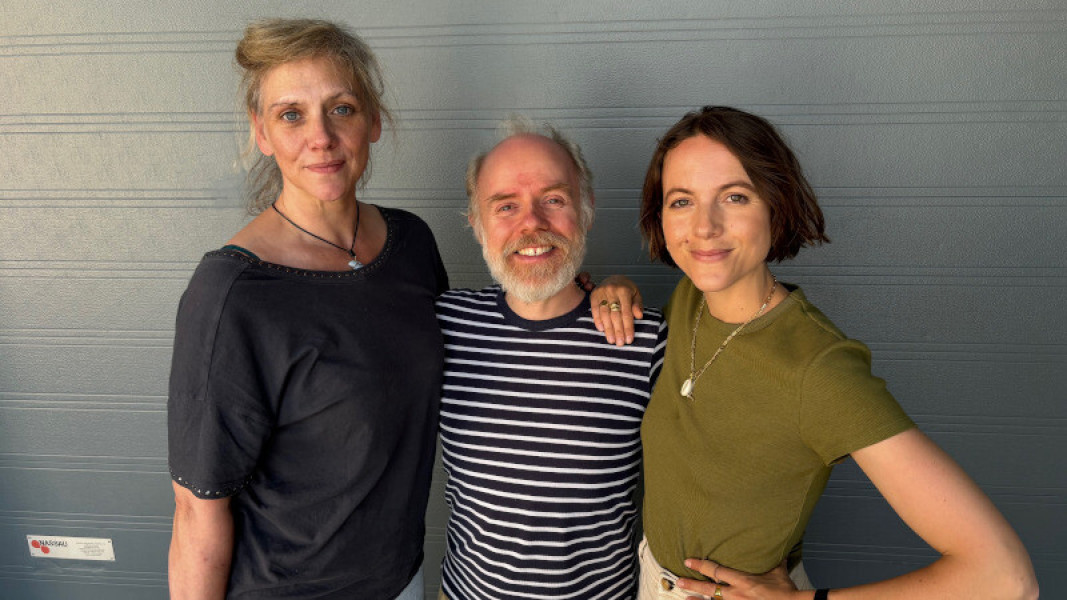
(884,350)
(592,117)
(666,22)
(76,469)
(80,332)
(579,33)
(949,274)
(59,397)
(86,458)
(77,575)
(844,484)
(1014,499)
(825,191)
(54,526)
(63,407)
(120,127)
(490,115)
(77,516)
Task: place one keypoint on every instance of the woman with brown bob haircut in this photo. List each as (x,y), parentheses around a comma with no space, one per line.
(760,395)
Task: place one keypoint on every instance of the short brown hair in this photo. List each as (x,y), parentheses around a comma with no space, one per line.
(796,220)
(269,43)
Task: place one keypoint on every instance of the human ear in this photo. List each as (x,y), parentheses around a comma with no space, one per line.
(260,132)
(376,128)
(476,227)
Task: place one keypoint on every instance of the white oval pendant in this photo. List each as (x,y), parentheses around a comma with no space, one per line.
(355,264)
(687,387)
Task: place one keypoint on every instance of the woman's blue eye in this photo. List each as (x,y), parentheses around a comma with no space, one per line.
(737,199)
(290,116)
(344,111)
(680,202)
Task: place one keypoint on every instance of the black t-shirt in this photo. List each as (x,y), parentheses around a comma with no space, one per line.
(311,398)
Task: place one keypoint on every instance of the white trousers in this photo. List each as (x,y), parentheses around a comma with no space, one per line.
(652,575)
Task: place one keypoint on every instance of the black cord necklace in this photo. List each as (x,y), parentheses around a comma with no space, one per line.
(354,263)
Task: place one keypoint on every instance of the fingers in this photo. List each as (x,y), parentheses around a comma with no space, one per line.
(616,322)
(608,317)
(621,287)
(700,587)
(622,320)
(733,585)
(637,305)
(706,567)
(597,301)
(616,303)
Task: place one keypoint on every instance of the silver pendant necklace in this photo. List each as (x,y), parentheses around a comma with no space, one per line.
(688,384)
(354,263)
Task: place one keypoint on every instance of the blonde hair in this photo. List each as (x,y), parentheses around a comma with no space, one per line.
(519,125)
(272,42)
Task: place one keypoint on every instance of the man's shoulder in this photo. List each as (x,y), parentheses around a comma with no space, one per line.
(487,295)
(651,328)
(651,316)
(470,305)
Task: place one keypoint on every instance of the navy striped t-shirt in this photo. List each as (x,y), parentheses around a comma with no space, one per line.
(540,432)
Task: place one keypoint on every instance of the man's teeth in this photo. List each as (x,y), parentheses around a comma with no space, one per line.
(537,251)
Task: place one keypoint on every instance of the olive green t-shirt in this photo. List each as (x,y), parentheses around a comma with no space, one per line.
(733,474)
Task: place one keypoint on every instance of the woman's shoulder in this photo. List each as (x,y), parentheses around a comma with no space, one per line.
(811,316)
(402,223)
(222,265)
(401,217)
(215,276)
(683,300)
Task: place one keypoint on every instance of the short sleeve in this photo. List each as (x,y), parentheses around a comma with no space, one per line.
(843,406)
(217,420)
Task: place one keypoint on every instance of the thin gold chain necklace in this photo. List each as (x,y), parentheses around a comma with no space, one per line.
(687,385)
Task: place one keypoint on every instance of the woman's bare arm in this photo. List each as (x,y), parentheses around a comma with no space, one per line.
(201,547)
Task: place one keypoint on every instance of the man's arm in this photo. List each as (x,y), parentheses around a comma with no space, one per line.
(201,547)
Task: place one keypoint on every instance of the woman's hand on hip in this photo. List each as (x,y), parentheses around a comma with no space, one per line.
(738,585)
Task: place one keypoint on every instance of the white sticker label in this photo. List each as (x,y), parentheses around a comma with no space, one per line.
(76,548)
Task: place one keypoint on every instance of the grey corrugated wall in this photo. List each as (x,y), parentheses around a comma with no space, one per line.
(935,132)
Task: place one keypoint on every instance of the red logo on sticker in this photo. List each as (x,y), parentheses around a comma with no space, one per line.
(46,550)
(35,544)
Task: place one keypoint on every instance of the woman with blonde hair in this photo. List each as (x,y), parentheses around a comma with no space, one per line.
(307,358)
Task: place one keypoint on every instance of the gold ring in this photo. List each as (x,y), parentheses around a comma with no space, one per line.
(603,303)
(718,591)
(615,307)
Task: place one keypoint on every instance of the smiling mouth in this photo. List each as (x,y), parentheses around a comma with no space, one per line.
(327,166)
(534,251)
(713,254)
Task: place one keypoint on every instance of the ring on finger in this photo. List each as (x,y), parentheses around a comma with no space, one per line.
(615,307)
(718,592)
(603,303)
